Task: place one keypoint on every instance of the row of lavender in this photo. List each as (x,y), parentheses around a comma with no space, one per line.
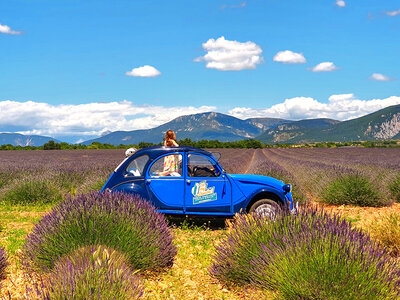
(48,176)
(45,177)
(360,176)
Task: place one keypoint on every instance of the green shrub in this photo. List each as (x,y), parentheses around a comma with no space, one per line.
(119,221)
(353,189)
(33,192)
(6,178)
(387,230)
(395,188)
(94,272)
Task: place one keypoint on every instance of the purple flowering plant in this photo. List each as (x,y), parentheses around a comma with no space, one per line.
(311,255)
(122,222)
(94,272)
(355,189)
(3,263)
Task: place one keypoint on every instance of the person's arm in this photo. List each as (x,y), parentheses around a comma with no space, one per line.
(175,143)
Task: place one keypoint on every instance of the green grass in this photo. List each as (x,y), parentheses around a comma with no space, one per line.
(15,223)
(16,238)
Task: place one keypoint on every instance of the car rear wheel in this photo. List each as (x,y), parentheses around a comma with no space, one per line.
(266,208)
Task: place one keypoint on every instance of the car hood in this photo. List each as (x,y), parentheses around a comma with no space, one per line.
(256,179)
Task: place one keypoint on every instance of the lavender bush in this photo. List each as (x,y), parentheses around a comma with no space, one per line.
(119,221)
(395,188)
(353,189)
(27,192)
(308,256)
(94,272)
(3,263)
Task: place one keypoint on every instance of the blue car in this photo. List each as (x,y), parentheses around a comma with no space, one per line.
(190,181)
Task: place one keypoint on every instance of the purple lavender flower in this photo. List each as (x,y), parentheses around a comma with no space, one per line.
(307,256)
(119,221)
(3,263)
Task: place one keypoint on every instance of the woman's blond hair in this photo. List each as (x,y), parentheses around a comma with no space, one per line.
(170,137)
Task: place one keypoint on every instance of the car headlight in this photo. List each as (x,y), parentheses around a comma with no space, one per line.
(287,188)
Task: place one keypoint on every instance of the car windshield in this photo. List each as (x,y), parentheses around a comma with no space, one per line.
(135,168)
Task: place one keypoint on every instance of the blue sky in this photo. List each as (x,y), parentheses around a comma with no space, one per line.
(79,56)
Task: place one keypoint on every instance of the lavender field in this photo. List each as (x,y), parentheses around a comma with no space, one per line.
(312,169)
(309,169)
(32,182)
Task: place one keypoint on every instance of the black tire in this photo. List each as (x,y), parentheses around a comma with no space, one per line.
(266,207)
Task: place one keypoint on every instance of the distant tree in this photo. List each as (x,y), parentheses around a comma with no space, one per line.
(145,145)
(51,145)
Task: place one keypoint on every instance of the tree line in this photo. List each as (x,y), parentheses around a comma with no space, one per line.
(242,144)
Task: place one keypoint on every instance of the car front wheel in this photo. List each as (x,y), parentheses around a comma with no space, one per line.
(266,208)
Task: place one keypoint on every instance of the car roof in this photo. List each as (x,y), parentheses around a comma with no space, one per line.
(156,151)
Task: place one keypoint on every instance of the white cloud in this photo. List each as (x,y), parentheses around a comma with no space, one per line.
(289,57)
(225,55)
(87,119)
(325,67)
(145,71)
(7,30)
(379,77)
(339,107)
(340,3)
(393,13)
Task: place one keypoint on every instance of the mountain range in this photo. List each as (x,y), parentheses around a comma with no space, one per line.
(380,125)
(383,124)
(17,139)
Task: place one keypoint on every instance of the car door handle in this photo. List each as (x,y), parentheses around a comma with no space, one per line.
(148,181)
(187,181)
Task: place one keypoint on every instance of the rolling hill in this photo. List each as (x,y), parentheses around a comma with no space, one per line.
(203,126)
(380,125)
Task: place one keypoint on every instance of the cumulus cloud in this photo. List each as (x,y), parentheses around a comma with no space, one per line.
(225,55)
(289,57)
(393,13)
(7,30)
(339,107)
(340,3)
(145,71)
(91,119)
(325,67)
(379,77)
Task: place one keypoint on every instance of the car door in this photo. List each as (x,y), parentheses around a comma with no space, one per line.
(165,183)
(207,188)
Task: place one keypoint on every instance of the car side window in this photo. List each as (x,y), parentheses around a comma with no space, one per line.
(169,165)
(136,167)
(201,166)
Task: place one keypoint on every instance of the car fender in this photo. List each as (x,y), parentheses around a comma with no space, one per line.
(135,187)
(270,190)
